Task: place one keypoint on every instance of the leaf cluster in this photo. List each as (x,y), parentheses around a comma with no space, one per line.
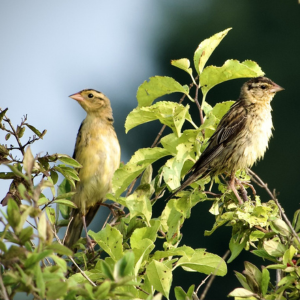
(136,255)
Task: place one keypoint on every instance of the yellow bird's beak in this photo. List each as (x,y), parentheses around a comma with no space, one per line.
(77,97)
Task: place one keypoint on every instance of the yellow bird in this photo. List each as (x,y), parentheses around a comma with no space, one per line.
(97,149)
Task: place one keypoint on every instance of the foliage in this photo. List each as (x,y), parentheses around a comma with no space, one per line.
(128,262)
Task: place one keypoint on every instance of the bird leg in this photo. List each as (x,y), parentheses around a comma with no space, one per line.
(247,183)
(243,190)
(88,239)
(232,186)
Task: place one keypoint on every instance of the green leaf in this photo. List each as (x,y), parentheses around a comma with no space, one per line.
(242,279)
(206,48)
(13,213)
(107,270)
(168,113)
(147,175)
(54,176)
(160,276)
(67,172)
(265,281)
(156,87)
(237,244)
(32,128)
(240,292)
(140,234)
(203,262)
(289,255)
(171,220)
(180,251)
(7,175)
(7,136)
(17,172)
(139,203)
(110,240)
(274,248)
(220,109)
(231,69)
(180,293)
(25,234)
(56,289)
(58,260)
(2,114)
(220,220)
(173,167)
(281,227)
(40,283)
(253,275)
(124,266)
(263,254)
(183,64)
(42,227)
(190,291)
(66,159)
(60,249)
(103,290)
(50,214)
(66,202)
(34,258)
(141,253)
(137,164)
(28,161)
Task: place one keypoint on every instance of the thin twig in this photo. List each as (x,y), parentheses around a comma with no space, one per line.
(15,134)
(142,290)
(211,279)
(106,221)
(265,186)
(198,105)
(73,261)
(63,242)
(158,136)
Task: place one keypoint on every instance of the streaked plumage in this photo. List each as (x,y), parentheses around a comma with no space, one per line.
(242,135)
(97,149)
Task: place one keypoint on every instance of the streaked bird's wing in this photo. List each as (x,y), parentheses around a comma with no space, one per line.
(229,127)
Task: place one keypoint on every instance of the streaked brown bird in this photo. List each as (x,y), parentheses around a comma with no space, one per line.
(241,137)
(97,149)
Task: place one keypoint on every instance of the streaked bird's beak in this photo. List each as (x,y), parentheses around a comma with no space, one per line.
(77,97)
(276,88)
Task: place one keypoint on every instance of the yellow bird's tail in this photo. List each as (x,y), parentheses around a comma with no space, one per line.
(76,225)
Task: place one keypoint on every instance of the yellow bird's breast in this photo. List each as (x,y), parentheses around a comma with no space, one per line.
(98,151)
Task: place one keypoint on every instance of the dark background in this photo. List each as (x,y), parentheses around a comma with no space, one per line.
(135,40)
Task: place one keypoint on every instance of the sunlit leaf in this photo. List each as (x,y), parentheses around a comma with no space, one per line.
(137,164)
(231,69)
(206,48)
(156,87)
(160,277)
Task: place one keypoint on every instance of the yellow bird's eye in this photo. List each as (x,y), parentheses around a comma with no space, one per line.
(263,87)
(90,95)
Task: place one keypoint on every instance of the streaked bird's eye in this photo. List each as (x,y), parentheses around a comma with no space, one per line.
(90,95)
(263,87)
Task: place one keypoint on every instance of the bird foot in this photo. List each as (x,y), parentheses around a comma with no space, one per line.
(90,244)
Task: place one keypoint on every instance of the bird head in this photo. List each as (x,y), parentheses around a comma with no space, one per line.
(260,89)
(93,102)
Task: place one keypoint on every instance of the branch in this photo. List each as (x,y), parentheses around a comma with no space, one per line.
(265,186)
